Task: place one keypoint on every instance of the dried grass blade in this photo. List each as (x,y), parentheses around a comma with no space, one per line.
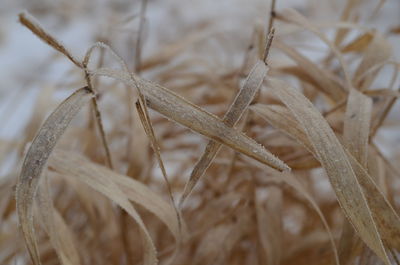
(101,182)
(360,43)
(36,159)
(30,22)
(95,106)
(189,115)
(296,18)
(66,162)
(39,112)
(386,218)
(292,181)
(144,118)
(61,236)
(383,214)
(342,33)
(236,110)
(356,135)
(167,53)
(281,118)
(334,160)
(357,125)
(324,80)
(378,52)
(269,226)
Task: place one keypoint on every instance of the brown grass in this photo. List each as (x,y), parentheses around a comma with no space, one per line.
(91,194)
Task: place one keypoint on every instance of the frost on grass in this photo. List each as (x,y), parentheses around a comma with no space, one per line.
(194,159)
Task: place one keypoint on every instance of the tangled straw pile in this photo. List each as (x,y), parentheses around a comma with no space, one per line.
(108,180)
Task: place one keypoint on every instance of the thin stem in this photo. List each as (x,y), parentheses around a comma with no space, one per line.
(269,43)
(99,120)
(138,49)
(383,116)
(272,15)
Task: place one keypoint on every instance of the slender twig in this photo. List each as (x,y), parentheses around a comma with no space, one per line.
(269,43)
(272,15)
(98,117)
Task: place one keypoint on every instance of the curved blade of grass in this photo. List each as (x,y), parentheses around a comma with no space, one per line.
(61,236)
(356,135)
(357,125)
(386,218)
(383,214)
(36,159)
(30,22)
(269,226)
(296,18)
(144,118)
(351,183)
(324,80)
(73,164)
(95,105)
(341,34)
(281,118)
(292,181)
(96,179)
(239,105)
(189,115)
(378,52)
(170,51)
(360,43)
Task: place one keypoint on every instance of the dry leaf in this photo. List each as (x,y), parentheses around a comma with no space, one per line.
(333,158)
(239,105)
(185,113)
(36,159)
(98,180)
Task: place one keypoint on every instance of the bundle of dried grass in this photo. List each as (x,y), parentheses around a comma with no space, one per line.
(108,180)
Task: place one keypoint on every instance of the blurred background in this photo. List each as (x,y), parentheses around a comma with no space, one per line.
(27,64)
